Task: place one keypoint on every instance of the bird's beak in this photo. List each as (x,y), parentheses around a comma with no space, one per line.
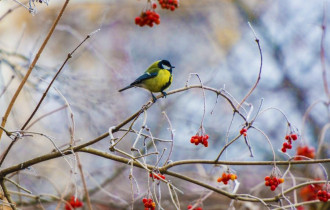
(173,67)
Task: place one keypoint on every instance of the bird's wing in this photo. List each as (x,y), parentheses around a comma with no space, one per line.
(144,76)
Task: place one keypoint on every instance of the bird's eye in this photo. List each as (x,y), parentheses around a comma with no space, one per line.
(166,66)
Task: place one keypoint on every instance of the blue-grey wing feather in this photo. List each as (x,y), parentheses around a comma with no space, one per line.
(143,77)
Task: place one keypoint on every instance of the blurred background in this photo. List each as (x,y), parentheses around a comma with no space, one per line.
(211,38)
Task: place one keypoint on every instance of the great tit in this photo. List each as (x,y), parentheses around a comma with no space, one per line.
(157,78)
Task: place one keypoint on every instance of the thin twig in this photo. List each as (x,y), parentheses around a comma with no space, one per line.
(36,58)
(10,10)
(322,53)
(17,185)
(50,84)
(260,69)
(7,85)
(45,115)
(89,205)
(172,137)
(7,194)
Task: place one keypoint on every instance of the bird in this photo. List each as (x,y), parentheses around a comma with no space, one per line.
(157,78)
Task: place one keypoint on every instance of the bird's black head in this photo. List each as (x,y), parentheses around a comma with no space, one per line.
(165,64)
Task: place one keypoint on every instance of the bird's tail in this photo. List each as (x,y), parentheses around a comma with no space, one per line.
(125,88)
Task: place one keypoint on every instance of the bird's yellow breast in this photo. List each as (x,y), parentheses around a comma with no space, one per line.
(159,83)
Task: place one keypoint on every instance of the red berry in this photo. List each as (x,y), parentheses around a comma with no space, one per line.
(224,175)
(283,149)
(144,200)
(206,143)
(294,137)
(154,5)
(243,130)
(189,206)
(137,20)
(272,188)
(287,137)
(267,183)
(267,178)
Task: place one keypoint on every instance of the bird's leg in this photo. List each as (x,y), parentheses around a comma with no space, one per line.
(164,94)
(154,99)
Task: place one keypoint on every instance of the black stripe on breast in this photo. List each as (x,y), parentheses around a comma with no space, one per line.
(167,84)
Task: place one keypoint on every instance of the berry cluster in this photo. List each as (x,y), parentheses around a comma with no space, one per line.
(149,17)
(289,138)
(273,182)
(305,151)
(243,131)
(309,192)
(74,203)
(226,177)
(323,195)
(169,4)
(189,207)
(149,204)
(200,139)
(159,176)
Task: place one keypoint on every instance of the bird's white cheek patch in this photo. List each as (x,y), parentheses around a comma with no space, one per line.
(166,67)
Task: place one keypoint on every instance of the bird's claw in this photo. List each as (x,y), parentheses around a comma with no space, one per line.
(164,94)
(154,99)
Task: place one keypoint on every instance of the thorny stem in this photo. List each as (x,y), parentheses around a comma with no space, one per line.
(36,58)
